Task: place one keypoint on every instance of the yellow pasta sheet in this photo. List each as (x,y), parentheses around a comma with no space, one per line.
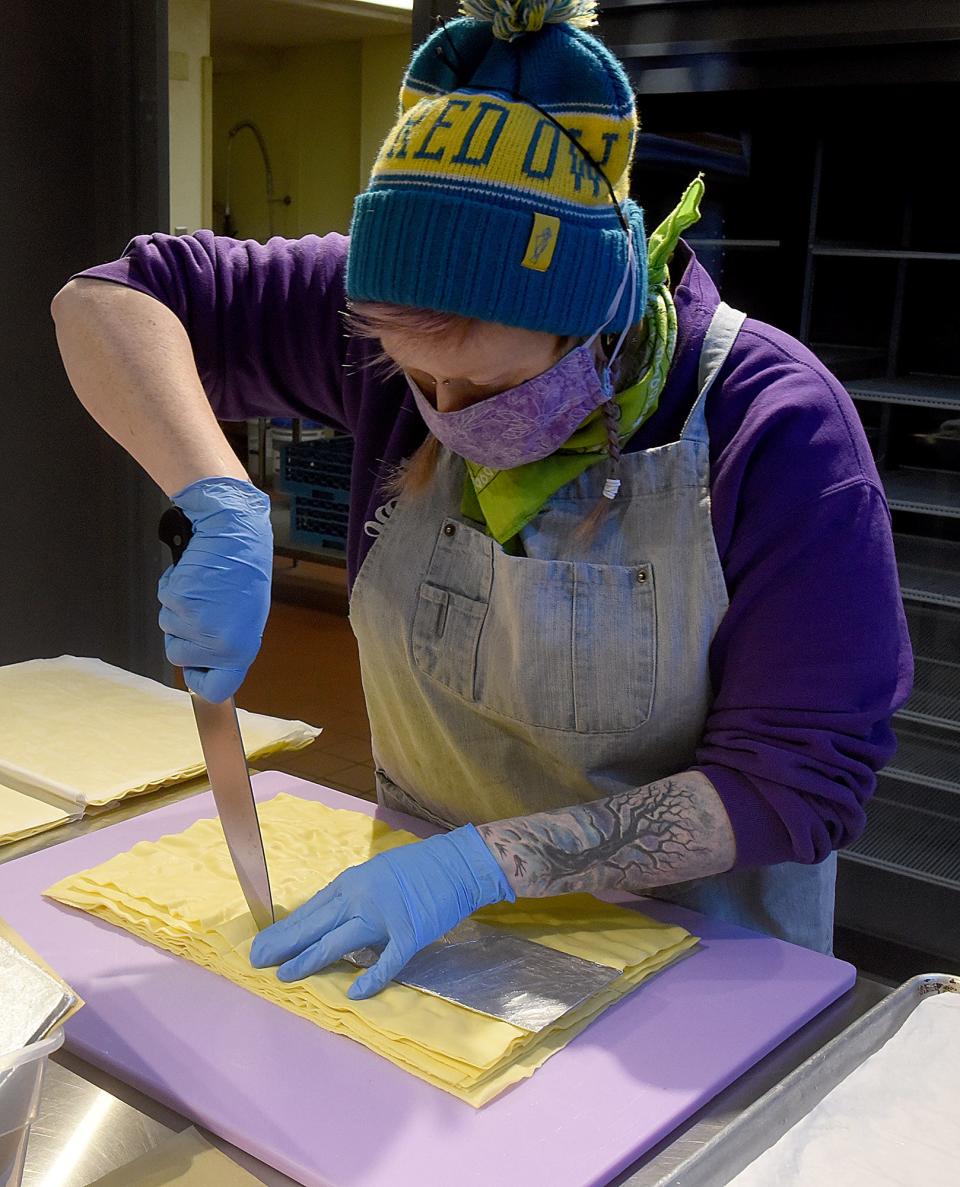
(23,816)
(181,894)
(91,733)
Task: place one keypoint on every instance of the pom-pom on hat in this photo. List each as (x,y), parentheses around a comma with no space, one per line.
(489,197)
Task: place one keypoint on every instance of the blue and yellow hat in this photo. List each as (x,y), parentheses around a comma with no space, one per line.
(490,196)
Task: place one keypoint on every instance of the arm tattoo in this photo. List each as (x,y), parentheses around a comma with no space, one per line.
(668,831)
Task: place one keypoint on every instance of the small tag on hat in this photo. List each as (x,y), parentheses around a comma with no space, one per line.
(542,241)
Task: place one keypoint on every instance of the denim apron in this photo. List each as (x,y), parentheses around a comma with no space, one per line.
(501,685)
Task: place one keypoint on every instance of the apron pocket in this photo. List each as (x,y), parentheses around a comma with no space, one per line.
(569,645)
(615,647)
(446,631)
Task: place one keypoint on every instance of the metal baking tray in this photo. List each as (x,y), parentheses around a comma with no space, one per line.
(757,1128)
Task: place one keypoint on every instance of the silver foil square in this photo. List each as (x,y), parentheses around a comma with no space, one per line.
(501,975)
(31,1001)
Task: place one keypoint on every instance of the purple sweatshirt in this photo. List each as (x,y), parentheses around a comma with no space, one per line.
(812,658)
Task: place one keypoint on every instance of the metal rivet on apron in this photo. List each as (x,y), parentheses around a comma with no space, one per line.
(641,575)
(449,529)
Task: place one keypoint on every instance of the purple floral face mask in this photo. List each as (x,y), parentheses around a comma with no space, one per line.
(525,423)
(532,421)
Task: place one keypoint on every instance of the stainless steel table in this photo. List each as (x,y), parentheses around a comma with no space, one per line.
(90,1123)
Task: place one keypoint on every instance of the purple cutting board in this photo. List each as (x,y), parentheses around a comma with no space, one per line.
(330,1113)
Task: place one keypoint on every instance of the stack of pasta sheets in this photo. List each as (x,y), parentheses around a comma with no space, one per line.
(79,733)
(180,893)
(24,815)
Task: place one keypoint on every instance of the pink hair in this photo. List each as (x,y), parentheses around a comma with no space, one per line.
(372,319)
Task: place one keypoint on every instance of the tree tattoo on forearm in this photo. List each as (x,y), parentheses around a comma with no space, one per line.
(665,832)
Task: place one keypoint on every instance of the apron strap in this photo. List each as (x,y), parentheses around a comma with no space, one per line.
(717,344)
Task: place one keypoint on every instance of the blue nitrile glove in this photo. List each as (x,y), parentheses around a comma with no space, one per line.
(215,601)
(399,901)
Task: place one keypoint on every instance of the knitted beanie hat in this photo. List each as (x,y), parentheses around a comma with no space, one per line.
(488,197)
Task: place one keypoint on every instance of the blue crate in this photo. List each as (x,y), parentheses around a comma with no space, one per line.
(319,520)
(316,465)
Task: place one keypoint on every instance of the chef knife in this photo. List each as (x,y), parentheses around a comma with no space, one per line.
(226,763)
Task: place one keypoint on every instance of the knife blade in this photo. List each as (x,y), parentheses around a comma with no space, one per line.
(229,777)
(226,763)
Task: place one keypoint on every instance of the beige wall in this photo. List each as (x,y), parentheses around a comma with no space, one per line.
(323,111)
(189,43)
(304,103)
(327,81)
(383,61)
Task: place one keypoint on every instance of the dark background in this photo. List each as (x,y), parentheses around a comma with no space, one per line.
(83,129)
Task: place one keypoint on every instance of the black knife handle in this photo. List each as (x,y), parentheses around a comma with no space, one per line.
(175,531)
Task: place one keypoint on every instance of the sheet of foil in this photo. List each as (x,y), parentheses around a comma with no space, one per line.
(31,1001)
(501,975)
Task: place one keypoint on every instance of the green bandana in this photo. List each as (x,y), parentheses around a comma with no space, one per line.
(507,500)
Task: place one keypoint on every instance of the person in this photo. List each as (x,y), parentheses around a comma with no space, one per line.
(621,565)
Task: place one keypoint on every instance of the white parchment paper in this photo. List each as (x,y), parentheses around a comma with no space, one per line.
(894,1122)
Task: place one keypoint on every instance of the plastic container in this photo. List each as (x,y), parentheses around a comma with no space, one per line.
(317,476)
(279,432)
(319,521)
(317,466)
(21,1079)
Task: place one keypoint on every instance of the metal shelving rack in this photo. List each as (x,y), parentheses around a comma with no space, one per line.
(901,879)
(783,240)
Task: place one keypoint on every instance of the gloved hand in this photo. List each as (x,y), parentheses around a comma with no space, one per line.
(400,901)
(215,601)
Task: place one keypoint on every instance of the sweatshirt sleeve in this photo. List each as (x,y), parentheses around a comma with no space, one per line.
(264,320)
(813,656)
